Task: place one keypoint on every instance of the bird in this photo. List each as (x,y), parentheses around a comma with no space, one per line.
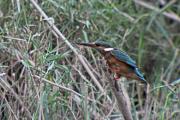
(119,62)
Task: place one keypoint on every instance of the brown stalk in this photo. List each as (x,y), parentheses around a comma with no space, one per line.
(122,98)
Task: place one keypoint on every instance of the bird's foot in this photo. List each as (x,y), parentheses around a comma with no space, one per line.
(116,78)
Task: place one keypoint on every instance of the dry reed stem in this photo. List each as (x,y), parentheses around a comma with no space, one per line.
(6,84)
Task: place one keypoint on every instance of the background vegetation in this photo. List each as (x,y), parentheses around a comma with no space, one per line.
(34,63)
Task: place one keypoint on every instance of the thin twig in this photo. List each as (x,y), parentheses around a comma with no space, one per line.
(9,107)
(76,96)
(60,86)
(167,14)
(3,82)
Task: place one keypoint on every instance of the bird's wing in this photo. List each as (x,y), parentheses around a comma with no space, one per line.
(139,74)
(122,56)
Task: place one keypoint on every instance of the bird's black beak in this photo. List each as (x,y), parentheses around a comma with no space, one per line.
(87,44)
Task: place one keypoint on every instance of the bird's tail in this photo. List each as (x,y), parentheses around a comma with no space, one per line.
(140,75)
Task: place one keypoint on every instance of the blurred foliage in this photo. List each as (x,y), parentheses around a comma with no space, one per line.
(28,50)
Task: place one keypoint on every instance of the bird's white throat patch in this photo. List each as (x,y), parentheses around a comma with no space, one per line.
(108,49)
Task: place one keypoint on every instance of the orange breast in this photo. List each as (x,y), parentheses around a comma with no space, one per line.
(117,66)
(121,68)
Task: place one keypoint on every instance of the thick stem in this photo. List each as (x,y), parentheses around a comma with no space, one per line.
(122,99)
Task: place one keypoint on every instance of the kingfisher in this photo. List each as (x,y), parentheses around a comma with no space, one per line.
(119,62)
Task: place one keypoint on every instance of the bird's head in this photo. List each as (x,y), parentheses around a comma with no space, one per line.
(99,45)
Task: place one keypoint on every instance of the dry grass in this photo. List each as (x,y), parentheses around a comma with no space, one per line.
(42,78)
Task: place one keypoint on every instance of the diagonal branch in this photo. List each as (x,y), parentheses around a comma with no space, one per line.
(56,32)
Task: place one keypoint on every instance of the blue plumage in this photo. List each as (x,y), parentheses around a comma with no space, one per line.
(138,73)
(122,65)
(122,56)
